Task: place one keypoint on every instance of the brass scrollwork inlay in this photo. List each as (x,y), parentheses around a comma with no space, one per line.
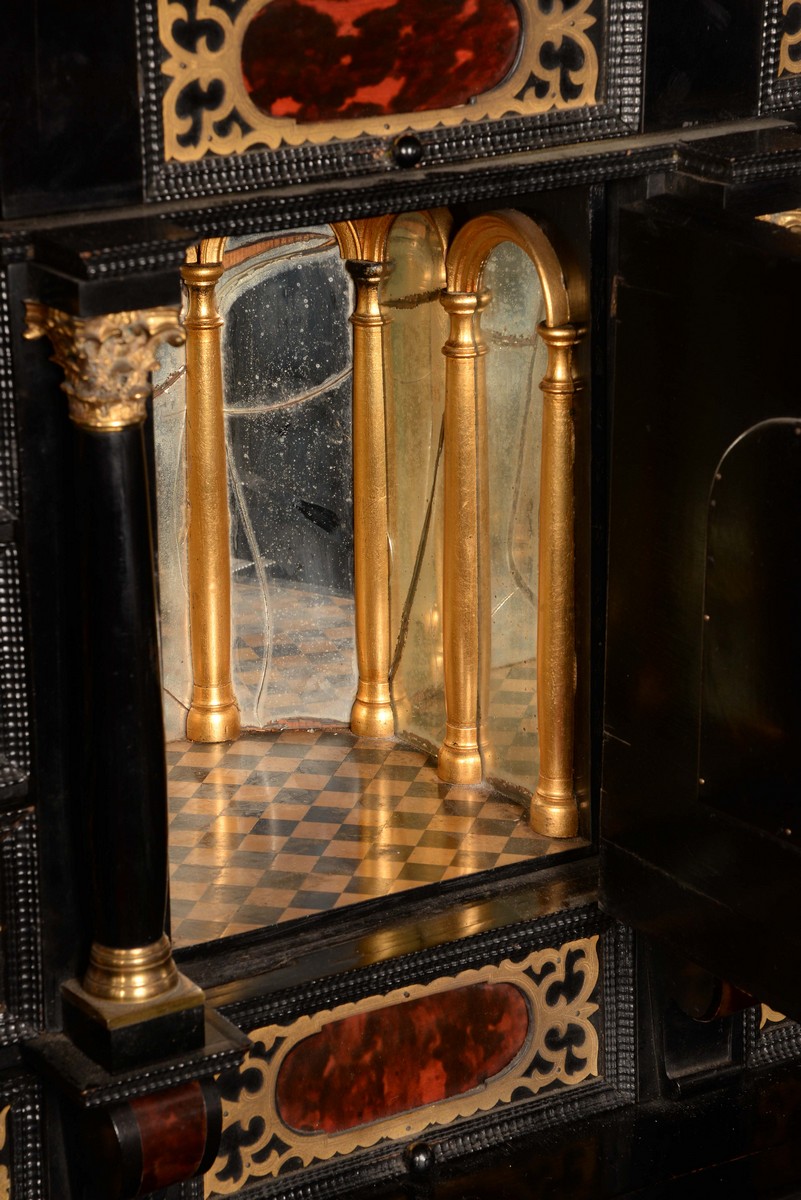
(790,48)
(769,1016)
(561,1048)
(5,1178)
(106,360)
(557,69)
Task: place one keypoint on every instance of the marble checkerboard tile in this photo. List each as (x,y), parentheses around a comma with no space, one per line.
(279,825)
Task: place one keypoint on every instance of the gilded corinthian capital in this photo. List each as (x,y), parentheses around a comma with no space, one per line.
(106,360)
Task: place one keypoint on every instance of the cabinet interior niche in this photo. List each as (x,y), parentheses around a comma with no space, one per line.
(299,814)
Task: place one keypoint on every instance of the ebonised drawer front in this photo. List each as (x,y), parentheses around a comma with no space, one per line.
(487,1038)
(253,92)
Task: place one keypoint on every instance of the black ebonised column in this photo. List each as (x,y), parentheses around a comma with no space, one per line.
(131,1002)
(124,746)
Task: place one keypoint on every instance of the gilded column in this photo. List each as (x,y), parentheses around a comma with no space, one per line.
(554,811)
(214,713)
(107,362)
(466,625)
(371,715)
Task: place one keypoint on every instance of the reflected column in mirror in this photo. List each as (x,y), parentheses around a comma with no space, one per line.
(418,331)
(515,364)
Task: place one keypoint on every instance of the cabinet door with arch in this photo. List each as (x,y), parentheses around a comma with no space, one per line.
(700,812)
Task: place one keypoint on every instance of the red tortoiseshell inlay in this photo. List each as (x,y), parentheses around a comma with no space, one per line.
(381,1063)
(173,1127)
(318,60)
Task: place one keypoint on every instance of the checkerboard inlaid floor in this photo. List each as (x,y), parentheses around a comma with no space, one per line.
(279,825)
(513,723)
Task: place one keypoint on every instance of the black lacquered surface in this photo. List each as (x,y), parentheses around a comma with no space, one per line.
(749,764)
(702,61)
(123,731)
(742,1141)
(70,103)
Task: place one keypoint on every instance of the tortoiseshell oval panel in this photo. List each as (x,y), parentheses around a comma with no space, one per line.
(320,60)
(392,1060)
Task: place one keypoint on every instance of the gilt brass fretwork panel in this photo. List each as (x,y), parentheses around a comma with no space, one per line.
(453,1048)
(337,71)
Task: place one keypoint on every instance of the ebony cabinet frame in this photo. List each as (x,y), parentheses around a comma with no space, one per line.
(93,234)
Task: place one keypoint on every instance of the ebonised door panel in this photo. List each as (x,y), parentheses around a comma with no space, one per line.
(702,591)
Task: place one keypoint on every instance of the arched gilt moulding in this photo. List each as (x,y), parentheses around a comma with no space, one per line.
(363,244)
(554,811)
(214,713)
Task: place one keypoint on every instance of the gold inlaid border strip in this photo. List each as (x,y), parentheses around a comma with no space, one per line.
(258,1107)
(247,126)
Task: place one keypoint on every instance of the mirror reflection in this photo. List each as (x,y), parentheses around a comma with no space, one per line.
(516,363)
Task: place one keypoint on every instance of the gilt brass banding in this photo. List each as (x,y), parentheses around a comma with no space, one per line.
(213,714)
(371,714)
(130,975)
(466,626)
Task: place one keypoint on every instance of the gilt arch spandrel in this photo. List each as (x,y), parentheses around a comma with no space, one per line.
(367,238)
